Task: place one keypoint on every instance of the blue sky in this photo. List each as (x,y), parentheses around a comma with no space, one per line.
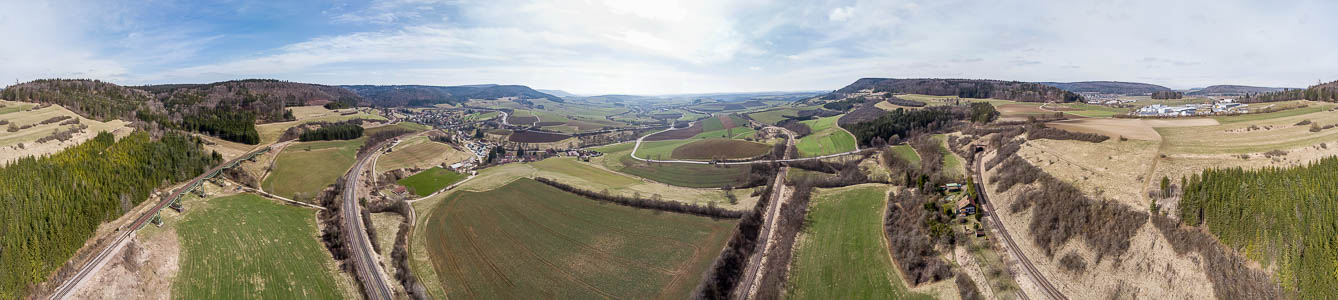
(661,47)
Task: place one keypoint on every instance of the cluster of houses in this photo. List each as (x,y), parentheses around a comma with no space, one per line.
(1225,106)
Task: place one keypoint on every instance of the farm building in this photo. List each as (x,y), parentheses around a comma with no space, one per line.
(965,207)
(953,187)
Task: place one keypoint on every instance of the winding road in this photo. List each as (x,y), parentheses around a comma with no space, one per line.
(1036,275)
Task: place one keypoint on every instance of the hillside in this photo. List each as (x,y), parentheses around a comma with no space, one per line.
(1234,90)
(559,93)
(1108,87)
(965,88)
(1320,92)
(425,95)
(227,109)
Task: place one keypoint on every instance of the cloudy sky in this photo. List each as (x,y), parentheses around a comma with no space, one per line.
(660,47)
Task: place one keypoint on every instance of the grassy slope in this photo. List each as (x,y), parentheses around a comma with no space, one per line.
(243,246)
(419,152)
(774,116)
(270,132)
(698,176)
(842,254)
(298,170)
(826,138)
(951,163)
(1272,115)
(907,153)
(431,180)
(526,239)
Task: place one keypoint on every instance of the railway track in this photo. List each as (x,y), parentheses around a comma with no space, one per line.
(748,285)
(1036,275)
(91,267)
(365,263)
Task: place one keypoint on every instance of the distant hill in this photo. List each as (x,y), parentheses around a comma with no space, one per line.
(559,93)
(227,109)
(1234,90)
(965,88)
(1320,92)
(1108,87)
(618,98)
(425,95)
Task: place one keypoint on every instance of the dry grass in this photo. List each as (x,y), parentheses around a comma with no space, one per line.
(419,152)
(270,132)
(9,141)
(1248,137)
(1112,169)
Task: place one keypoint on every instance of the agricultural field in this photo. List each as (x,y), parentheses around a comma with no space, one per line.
(593,176)
(842,253)
(1252,133)
(270,132)
(244,246)
(774,116)
(522,117)
(526,238)
(431,180)
(481,116)
(827,138)
(1091,110)
(618,158)
(23,142)
(419,152)
(305,168)
(719,148)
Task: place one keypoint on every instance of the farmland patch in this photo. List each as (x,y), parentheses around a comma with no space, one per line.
(430,181)
(720,148)
(536,137)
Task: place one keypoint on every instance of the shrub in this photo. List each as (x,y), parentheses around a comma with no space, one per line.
(1073,263)
(905,226)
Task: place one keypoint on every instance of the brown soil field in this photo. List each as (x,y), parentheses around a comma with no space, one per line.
(549,123)
(667,115)
(519,120)
(1021,109)
(719,148)
(726,122)
(536,137)
(677,134)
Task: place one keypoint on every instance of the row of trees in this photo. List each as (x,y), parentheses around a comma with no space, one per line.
(1167,95)
(1296,206)
(338,131)
(652,204)
(54,204)
(1320,92)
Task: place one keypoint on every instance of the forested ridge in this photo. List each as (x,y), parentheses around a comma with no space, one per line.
(53,204)
(1321,92)
(964,88)
(902,123)
(226,109)
(426,95)
(1279,216)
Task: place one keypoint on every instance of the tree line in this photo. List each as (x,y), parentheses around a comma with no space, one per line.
(337,131)
(225,123)
(652,204)
(55,203)
(1327,92)
(1162,95)
(1298,204)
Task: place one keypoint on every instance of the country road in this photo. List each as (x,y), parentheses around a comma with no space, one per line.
(92,266)
(747,287)
(1036,275)
(364,259)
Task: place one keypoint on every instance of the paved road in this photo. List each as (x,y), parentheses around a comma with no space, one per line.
(1046,287)
(747,287)
(92,266)
(364,259)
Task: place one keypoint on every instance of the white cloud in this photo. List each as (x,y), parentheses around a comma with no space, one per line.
(840,14)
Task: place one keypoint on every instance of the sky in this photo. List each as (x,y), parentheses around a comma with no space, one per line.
(668,47)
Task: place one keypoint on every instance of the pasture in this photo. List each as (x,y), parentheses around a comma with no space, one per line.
(774,116)
(244,246)
(618,158)
(19,114)
(907,153)
(305,168)
(419,152)
(842,253)
(719,148)
(270,132)
(952,164)
(430,181)
(826,138)
(1278,132)
(526,239)
(592,176)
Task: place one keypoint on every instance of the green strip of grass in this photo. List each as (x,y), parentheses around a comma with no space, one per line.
(843,254)
(907,153)
(1272,115)
(430,181)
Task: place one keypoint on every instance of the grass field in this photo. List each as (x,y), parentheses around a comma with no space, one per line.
(419,152)
(686,175)
(526,239)
(1095,111)
(308,167)
(720,148)
(431,180)
(1252,133)
(774,116)
(590,176)
(270,132)
(825,139)
(243,246)
(907,153)
(731,133)
(951,163)
(842,253)
(1272,115)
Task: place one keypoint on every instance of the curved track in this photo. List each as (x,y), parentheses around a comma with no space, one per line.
(366,265)
(1036,275)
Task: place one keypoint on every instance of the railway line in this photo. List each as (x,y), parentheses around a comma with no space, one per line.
(365,263)
(747,287)
(1036,275)
(91,267)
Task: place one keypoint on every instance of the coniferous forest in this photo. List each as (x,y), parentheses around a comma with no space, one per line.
(1283,216)
(341,131)
(53,204)
(232,125)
